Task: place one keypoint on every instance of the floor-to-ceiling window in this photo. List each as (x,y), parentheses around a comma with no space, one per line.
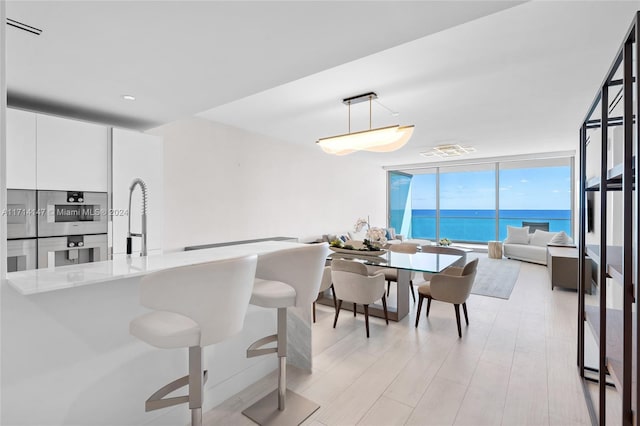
(535,192)
(468,203)
(399,201)
(424,204)
(476,202)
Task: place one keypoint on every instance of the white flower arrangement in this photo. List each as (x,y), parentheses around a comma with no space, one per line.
(360,223)
(377,235)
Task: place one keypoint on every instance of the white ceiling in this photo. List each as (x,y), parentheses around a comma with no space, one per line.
(182,57)
(515,82)
(506,77)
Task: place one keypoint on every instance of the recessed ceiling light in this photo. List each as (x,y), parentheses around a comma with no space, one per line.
(128,97)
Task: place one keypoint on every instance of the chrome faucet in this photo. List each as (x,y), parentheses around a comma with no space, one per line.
(143,232)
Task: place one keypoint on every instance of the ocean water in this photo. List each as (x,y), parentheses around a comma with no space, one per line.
(479,225)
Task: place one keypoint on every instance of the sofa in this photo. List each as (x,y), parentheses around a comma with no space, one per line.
(532,247)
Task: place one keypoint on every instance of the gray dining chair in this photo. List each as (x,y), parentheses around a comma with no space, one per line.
(445,250)
(352,283)
(325,284)
(391,274)
(453,285)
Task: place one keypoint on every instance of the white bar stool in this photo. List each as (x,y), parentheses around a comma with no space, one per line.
(284,279)
(194,306)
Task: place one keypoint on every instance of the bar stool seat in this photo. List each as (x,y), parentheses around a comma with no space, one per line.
(166,330)
(272,294)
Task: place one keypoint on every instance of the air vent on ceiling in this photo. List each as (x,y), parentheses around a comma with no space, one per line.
(24,27)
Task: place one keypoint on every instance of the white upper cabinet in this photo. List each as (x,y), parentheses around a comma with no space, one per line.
(137,155)
(71,155)
(21,149)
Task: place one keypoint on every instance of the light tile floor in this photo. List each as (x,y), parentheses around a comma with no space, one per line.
(515,365)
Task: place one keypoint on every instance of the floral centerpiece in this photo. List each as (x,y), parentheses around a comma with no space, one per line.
(361,223)
(445,242)
(376,237)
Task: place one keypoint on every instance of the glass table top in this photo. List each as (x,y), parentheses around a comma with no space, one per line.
(421,262)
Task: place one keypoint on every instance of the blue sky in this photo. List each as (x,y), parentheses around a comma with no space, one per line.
(545,188)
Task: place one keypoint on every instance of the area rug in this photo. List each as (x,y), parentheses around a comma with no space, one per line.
(495,277)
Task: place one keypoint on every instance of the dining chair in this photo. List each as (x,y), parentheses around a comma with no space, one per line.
(444,250)
(391,274)
(352,283)
(453,285)
(325,284)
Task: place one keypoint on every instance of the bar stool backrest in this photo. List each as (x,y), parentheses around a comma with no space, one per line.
(214,294)
(300,267)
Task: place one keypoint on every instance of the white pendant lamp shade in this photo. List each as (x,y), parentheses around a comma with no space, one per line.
(383,139)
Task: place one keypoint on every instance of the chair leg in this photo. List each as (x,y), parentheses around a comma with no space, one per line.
(420,300)
(456,307)
(464,308)
(354,310)
(314,312)
(195,385)
(384,308)
(428,306)
(413,292)
(335,303)
(388,287)
(335,320)
(366,318)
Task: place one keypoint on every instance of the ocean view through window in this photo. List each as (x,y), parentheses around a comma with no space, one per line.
(476,203)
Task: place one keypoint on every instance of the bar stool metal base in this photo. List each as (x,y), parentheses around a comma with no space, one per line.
(265,412)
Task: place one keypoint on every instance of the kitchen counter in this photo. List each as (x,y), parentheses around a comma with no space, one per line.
(67,344)
(122,267)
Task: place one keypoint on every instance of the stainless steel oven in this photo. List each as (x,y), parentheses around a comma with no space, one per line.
(21,255)
(21,213)
(71,213)
(71,250)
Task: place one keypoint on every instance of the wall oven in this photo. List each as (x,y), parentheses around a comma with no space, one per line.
(21,213)
(71,213)
(71,250)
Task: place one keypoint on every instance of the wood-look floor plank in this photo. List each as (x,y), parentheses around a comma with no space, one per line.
(515,365)
(386,412)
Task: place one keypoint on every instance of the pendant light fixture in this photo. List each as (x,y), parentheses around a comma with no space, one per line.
(383,139)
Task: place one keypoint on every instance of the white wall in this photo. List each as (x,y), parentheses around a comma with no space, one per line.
(225,184)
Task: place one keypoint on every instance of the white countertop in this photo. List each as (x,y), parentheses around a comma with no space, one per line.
(50,279)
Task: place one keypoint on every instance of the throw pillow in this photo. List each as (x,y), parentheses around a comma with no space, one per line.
(517,235)
(561,239)
(391,233)
(541,238)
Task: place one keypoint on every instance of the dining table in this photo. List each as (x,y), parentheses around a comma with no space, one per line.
(405,263)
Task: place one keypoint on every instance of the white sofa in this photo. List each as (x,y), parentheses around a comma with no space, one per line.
(521,245)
